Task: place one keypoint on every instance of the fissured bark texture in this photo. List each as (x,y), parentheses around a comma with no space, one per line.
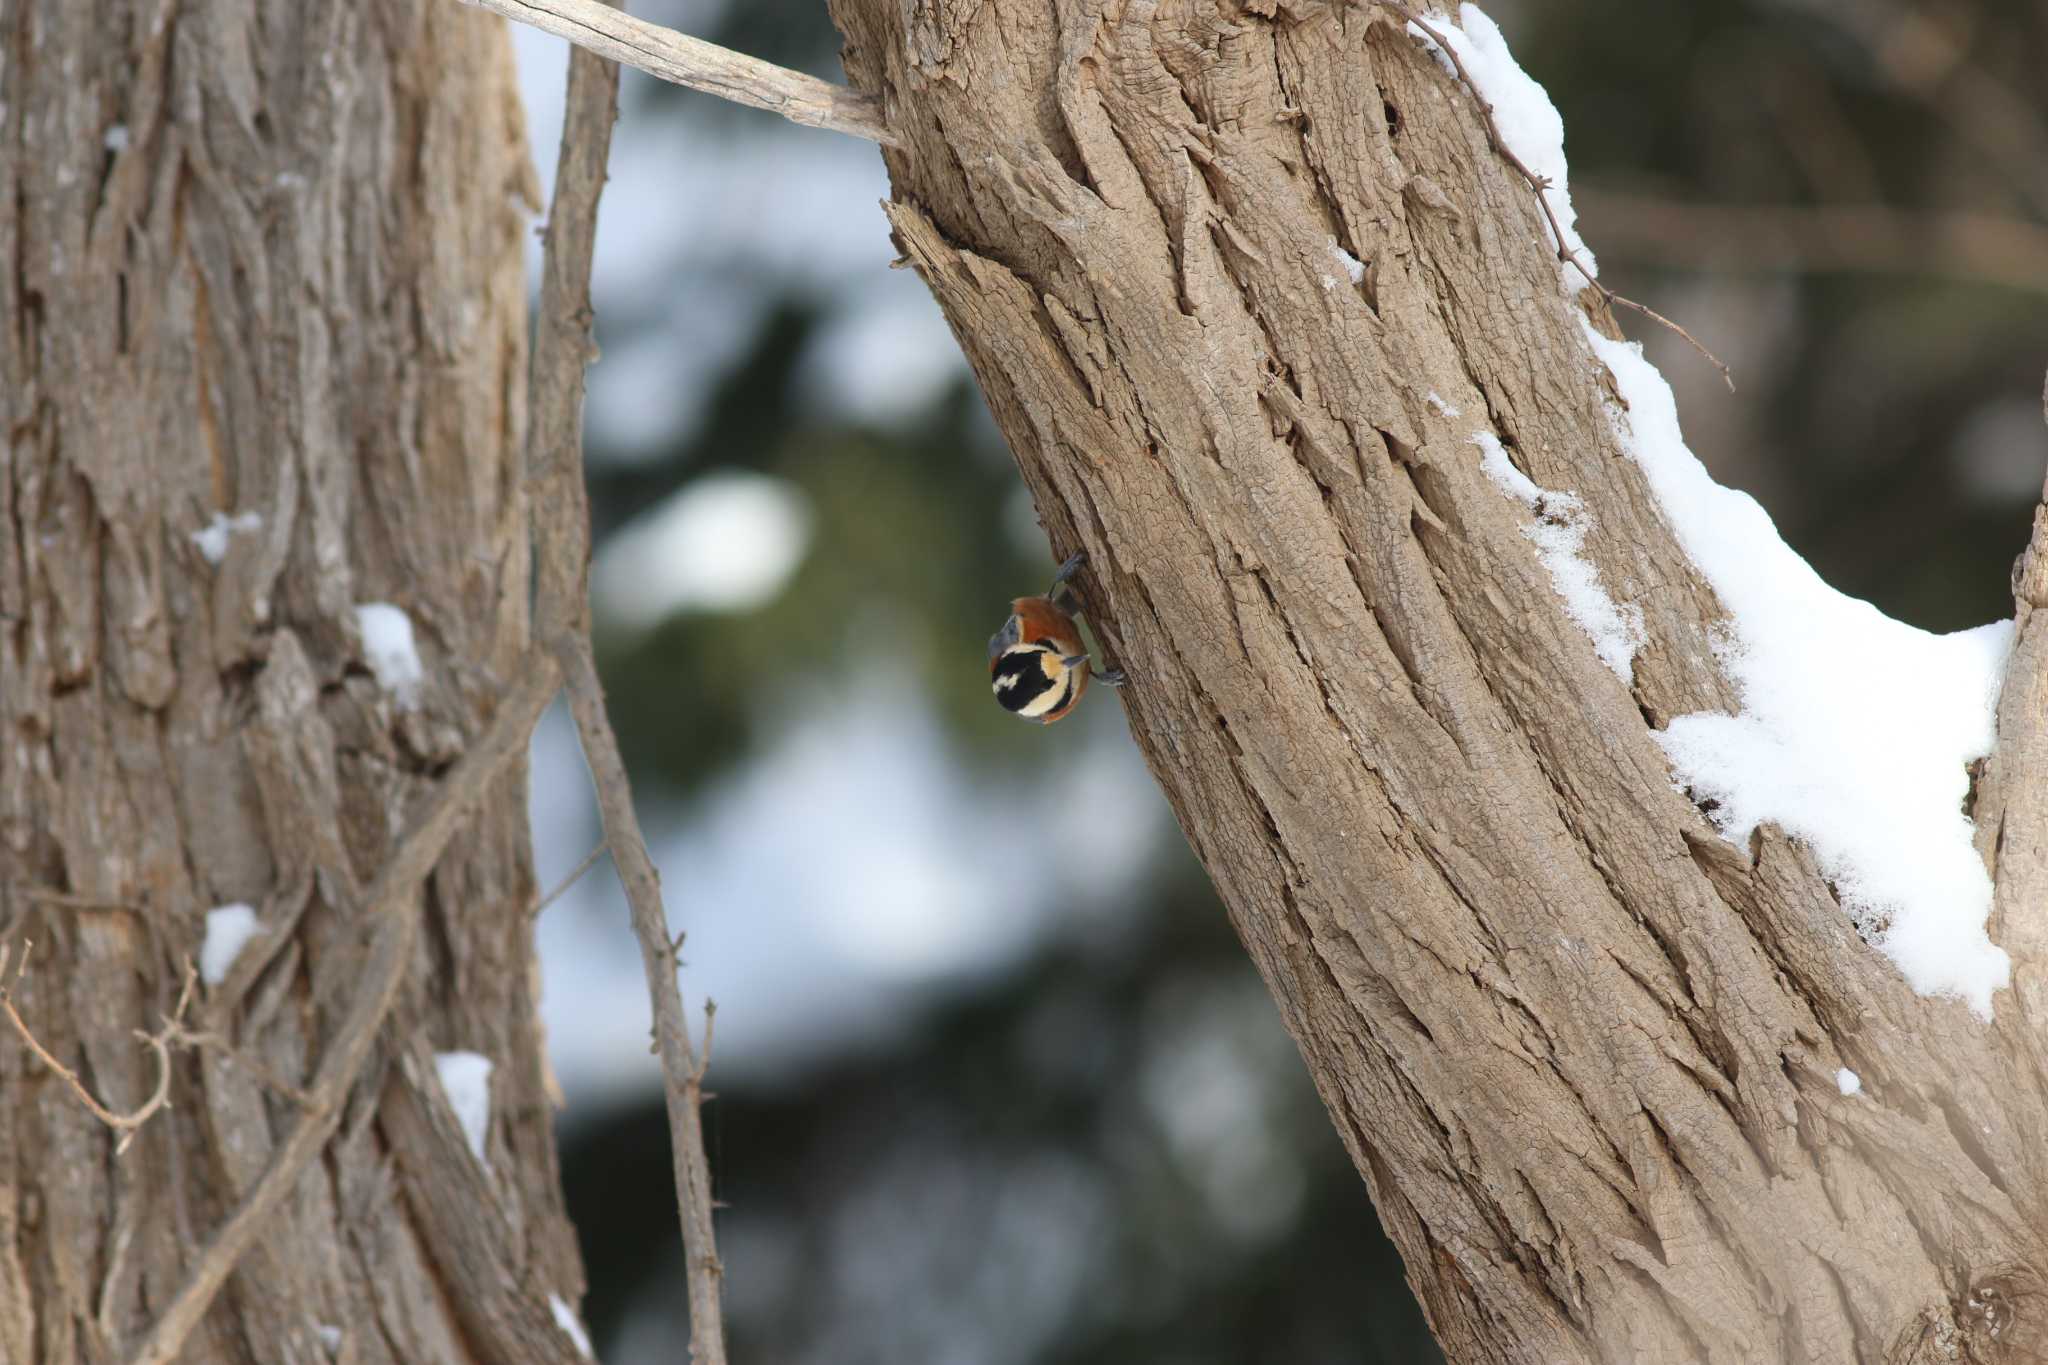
(262,259)
(1582,1050)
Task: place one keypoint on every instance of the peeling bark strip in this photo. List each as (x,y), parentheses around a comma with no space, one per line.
(595,26)
(1583,1051)
(261,279)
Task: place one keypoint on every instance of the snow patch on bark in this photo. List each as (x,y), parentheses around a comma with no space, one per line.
(390,651)
(466,1079)
(228,930)
(1559,534)
(1856,732)
(1528,122)
(572,1327)
(212,538)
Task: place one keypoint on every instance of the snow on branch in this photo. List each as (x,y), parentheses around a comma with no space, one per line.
(1559,535)
(1533,141)
(683,60)
(1856,733)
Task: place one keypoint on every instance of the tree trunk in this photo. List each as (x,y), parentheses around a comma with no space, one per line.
(1582,1050)
(262,259)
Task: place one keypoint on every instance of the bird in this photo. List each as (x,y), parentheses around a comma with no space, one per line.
(1037,663)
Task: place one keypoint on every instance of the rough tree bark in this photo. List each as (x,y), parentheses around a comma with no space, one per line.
(1581,1049)
(263,259)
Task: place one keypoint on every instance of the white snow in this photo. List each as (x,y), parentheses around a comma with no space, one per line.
(1436,401)
(389,650)
(330,1336)
(1529,123)
(1847,1081)
(565,1318)
(212,538)
(228,930)
(117,137)
(1559,534)
(466,1077)
(726,541)
(1353,267)
(1856,731)
(1493,458)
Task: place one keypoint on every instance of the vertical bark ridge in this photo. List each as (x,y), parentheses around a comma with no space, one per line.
(261,261)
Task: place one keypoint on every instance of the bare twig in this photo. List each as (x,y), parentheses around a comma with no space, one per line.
(392,913)
(575,875)
(561,521)
(72,900)
(684,1077)
(1539,184)
(719,71)
(158,1043)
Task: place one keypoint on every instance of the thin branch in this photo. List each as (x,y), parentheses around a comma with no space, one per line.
(71,900)
(575,875)
(719,71)
(1539,184)
(235,1056)
(561,520)
(683,1076)
(128,1124)
(391,909)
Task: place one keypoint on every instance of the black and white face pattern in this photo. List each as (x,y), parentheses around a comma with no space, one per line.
(1033,681)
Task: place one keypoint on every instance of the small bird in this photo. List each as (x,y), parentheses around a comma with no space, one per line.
(1036,662)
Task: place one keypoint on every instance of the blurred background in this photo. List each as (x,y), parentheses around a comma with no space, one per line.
(967,1118)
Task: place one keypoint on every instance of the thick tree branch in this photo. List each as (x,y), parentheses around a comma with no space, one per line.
(1621,1089)
(561,518)
(2012,799)
(683,60)
(324,469)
